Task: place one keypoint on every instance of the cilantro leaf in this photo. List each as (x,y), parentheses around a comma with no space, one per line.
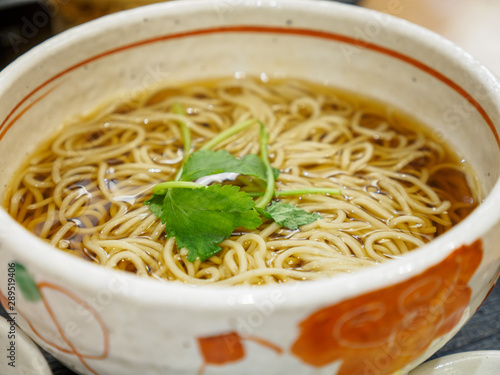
(201,218)
(207,162)
(288,216)
(156,204)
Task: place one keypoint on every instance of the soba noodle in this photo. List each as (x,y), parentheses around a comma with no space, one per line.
(84,191)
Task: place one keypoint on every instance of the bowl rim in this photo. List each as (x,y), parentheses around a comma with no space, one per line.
(152,292)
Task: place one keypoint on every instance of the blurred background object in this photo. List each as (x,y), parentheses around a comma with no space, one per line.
(473,25)
(75,12)
(26,23)
(23,25)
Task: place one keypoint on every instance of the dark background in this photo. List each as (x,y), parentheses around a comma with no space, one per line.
(23,25)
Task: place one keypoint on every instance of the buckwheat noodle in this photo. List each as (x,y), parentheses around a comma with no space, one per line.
(84,191)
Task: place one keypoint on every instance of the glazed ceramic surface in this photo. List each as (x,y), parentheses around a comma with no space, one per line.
(379,321)
(20,355)
(485,362)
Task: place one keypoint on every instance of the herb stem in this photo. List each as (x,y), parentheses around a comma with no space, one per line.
(162,187)
(186,136)
(263,201)
(287,193)
(221,137)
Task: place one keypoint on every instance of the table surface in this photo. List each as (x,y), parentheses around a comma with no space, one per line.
(482,332)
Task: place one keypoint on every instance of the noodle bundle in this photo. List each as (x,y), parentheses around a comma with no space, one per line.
(84,190)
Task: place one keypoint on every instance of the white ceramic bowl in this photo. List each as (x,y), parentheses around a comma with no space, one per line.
(20,354)
(485,362)
(378,321)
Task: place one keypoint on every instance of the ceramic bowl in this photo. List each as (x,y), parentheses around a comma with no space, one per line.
(21,355)
(485,362)
(382,320)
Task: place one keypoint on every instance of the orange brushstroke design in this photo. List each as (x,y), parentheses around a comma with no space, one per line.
(4,301)
(219,350)
(265,343)
(385,330)
(10,124)
(226,348)
(79,301)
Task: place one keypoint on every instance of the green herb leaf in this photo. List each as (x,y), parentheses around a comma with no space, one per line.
(201,218)
(288,216)
(26,284)
(156,204)
(207,162)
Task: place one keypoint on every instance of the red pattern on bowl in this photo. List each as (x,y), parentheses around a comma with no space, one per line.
(385,330)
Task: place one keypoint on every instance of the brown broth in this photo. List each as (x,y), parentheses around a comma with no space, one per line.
(453,181)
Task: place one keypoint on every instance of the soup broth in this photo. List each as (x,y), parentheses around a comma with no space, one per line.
(84,190)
